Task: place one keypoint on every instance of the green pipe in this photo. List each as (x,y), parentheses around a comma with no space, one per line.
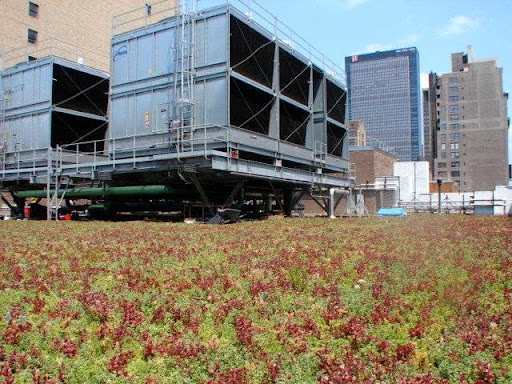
(131,191)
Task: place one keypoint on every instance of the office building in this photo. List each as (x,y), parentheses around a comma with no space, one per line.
(384,93)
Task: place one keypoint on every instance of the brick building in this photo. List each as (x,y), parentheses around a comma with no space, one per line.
(370,163)
(71,29)
(470,129)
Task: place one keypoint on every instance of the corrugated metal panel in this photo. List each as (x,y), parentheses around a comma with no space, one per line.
(28,132)
(27,89)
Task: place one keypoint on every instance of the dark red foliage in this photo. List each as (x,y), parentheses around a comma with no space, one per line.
(231,376)
(12,333)
(244,331)
(174,346)
(256,288)
(130,314)
(404,352)
(119,362)
(485,373)
(273,369)
(96,303)
(355,329)
(350,369)
(417,331)
(66,347)
(158,315)
(334,311)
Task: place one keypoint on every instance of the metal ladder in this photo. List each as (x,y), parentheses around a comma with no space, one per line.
(184,78)
(3,128)
(54,203)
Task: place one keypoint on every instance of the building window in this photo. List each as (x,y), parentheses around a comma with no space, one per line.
(441,165)
(441,173)
(443,146)
(454,146)
(453,80)
(443,136)
(454,155)
(454,116)
(443,127)
(455,173)
(32,36)
(453,99)
(454,127)
(454,136)
(33,9)
(443,155)
(454,108)
(455,164)
(453,89)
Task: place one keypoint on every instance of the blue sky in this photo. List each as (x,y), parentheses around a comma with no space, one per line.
(340,28)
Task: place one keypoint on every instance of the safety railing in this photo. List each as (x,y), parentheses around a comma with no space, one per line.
(54,47)
(152,13)
(179,142)
(175,143)
(143,16)
(258,13)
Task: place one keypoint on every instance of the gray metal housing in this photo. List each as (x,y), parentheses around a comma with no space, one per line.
(51,102)
(275,103)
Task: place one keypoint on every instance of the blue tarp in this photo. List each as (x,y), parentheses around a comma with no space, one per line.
(397,212)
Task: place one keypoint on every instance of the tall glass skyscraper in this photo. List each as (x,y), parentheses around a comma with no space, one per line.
(384,93)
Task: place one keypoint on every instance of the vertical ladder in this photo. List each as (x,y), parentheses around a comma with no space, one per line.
(3,127)
(184,77)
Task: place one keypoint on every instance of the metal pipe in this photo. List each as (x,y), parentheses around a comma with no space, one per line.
(130,191)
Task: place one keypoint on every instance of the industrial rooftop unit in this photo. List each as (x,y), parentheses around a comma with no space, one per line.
(47,103)
(213,99)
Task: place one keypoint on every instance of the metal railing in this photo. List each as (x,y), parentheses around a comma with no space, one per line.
(144,16)
(85,158)
(54,47)
(136,148)
(155,12)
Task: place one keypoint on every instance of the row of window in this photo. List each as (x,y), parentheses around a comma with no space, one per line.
(453,136)
(452,173)
(33,11)
(453,127)
(454,164)
(453,146)
(453,155)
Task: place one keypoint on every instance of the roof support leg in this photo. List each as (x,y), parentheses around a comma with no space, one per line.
(278,198)
(201,191)
(233,194)
(323,206)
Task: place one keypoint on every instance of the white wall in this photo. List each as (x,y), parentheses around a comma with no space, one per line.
(414,178)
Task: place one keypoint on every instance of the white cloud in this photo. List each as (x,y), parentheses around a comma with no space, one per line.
(353,3)
(411,39)
(458,25)
(407,42)
(342,4)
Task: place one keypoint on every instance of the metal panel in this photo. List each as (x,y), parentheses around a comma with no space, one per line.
(26,89)
(211,40)
(28,132)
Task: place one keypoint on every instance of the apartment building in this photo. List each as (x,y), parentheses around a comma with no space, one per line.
(471,124)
